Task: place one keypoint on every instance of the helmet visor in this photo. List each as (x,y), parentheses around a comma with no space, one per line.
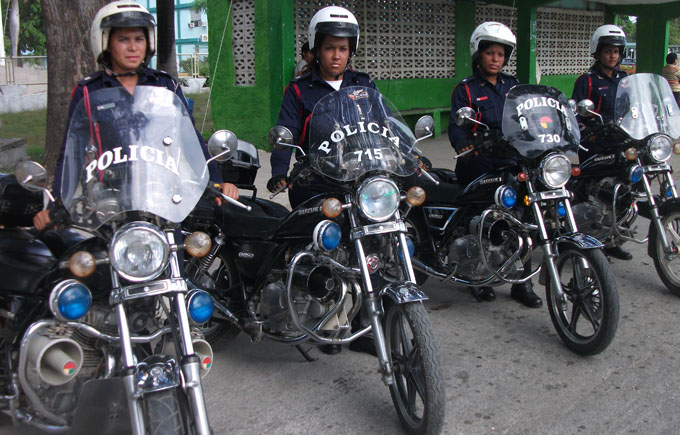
(128,19)
(616,41)
(338,29)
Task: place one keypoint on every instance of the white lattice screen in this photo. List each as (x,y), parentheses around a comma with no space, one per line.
(398,39)
(562,40)
(502,14)
(243,36)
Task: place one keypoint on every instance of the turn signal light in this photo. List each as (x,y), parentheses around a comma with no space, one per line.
(631,153)
(331,208)
(415,196)
(522,176)
(676,148)
(198,244)
(82,264)
(575,171)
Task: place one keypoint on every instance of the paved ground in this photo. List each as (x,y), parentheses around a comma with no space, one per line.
(505,368)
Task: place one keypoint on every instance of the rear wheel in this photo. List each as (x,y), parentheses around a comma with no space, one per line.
(587,322)
(220,275)
(668,267)
(418,389)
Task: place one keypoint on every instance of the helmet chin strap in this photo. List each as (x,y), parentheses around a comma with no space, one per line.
(110,72)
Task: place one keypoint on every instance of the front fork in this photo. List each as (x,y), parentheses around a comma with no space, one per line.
(189,361)
(654,211)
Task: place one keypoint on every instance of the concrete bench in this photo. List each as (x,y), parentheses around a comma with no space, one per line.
(436,113)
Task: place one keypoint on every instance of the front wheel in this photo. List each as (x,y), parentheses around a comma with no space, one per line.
(418,389)
(668,268)
(587,321)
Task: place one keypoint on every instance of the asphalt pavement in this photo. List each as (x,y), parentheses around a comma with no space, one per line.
(505,368)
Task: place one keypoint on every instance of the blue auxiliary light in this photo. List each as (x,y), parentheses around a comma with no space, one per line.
(327,235)
(70,300)
(200,306)
(506,196)
(635,174)
(561,209)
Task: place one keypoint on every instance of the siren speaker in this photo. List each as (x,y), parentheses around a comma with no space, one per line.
(56,360)
(202,349)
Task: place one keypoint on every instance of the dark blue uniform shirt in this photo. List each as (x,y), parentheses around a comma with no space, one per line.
(487,101)
(600,88)
(101,80)
(299,99)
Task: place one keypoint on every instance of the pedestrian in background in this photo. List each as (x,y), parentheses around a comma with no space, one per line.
(671,72)
(306,58)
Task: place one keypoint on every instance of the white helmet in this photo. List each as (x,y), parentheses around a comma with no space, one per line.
(608,34)
(493,32)
(123,13)
(334,21)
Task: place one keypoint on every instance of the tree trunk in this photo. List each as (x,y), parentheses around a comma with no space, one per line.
(69,59)
(165,50)
(14,26)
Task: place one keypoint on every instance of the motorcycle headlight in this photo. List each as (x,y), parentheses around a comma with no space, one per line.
(70,300)
(660,148)
(555,170)
(378,199)
(139,251)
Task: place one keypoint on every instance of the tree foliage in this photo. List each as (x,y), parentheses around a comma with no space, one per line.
(629,27)
(31,28)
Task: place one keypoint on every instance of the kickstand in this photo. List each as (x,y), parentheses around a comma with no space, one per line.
(305,354)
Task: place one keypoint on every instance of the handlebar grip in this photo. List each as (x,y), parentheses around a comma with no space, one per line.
(217,193)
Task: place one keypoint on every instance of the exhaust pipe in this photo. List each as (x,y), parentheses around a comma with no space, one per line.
(202,349)
(55,360)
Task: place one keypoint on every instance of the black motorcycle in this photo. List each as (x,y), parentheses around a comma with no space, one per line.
(615,184)
(97,324)
(337,268)
(484,234)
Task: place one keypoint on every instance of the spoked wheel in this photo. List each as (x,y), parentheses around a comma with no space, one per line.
(667,266)
(220,275)
(587,322)
(418,389)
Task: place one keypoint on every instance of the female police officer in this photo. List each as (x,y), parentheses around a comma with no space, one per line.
(491,46)
(123,39)
(333,39)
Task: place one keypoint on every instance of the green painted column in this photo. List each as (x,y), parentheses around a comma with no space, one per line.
(652,34)
(526,44)
(465,25)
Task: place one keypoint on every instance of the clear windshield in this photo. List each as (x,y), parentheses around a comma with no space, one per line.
(645,105)
(537,119)
(132,153)
(356,130)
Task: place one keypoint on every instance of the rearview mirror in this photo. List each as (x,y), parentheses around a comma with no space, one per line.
(585,108)
(280,138)
(464,115)
(222,145)
(424,126)
(31,176)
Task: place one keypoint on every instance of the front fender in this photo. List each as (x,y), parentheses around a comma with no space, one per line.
(156,373)
(404,293)
(580,240)
(667,207)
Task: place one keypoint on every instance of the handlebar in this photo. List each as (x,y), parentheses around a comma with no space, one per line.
(230,200)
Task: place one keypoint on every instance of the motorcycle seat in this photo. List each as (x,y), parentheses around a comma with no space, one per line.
(446,191)
(259,223)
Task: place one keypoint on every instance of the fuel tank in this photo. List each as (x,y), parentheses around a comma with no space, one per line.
(482,189)
(24,261)
(609,164)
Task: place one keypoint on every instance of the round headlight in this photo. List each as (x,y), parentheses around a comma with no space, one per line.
(139,251)
(555,170)
(200,306)
(70,300)
(505,197)
(378,199)
(327,235)
(660,148)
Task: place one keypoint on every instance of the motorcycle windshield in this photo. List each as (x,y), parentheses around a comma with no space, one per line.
(645,105)
(131,153)
(356,130)
(537,119)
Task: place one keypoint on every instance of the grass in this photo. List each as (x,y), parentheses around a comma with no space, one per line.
(31,125)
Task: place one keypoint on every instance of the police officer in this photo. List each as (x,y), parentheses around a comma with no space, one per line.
(333,39)
(123,39)
(599,84)
(491,46)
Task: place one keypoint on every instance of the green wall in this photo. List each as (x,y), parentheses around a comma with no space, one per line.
(565,83)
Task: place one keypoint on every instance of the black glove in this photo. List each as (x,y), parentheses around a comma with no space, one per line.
(273,182)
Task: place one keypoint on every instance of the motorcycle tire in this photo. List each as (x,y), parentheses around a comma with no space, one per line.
(162,413)
(668,270)
(588,323)
(221,274)
(418,388)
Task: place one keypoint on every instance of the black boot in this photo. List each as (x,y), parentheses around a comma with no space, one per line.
(524,294)
(618,252)
(365,344)
(330,349)
(483,293)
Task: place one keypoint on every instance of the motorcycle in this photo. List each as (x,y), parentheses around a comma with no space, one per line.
(97,324)
(615,184)
(484,234)
(336,268)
